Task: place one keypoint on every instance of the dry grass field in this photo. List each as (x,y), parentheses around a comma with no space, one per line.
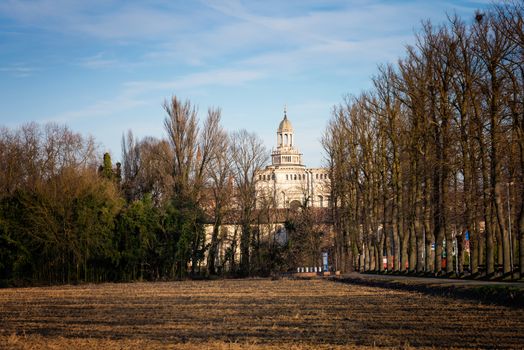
(252,314)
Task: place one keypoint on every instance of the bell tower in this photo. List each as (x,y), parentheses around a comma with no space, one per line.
(285,132)
(286,153)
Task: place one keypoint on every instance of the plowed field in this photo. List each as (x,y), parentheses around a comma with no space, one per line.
(252,313)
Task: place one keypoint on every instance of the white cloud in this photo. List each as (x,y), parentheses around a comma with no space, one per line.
(97,18)
(219,77)
(98,61)
(132,23)
(227,30)
(107,107)
(135,93)
(297,41)
(18,70)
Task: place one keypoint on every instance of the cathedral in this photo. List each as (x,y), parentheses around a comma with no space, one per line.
(286,182)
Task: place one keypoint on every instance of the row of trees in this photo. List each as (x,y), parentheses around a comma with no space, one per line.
(431,160)
(66,215)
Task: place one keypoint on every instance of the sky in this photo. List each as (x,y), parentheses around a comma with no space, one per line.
(104,67)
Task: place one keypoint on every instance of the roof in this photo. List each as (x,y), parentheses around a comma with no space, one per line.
(285,125)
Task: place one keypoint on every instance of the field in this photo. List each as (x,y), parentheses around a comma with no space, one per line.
(252,313)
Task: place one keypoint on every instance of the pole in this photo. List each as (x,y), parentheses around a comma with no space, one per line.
(509,230)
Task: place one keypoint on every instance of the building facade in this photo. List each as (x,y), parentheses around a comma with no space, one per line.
(287,182)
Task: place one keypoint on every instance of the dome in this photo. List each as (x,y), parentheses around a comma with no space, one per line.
(285,125)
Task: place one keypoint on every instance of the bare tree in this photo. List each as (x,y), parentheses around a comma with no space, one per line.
(147,169)
(492,47)
(248,157)
(219,176)
(181,125)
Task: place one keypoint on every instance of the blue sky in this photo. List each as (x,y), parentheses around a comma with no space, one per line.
(103,67)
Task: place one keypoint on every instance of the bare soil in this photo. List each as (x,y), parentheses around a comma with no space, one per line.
(252,314)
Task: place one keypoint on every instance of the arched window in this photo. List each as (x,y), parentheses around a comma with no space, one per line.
(320,201)
(286,177)
(280,143)
(285,139)
(291,139)
(295,176)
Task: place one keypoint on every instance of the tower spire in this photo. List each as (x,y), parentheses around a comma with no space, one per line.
(285,111)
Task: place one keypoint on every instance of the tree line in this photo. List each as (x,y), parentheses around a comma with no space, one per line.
(427,167)
(68,215)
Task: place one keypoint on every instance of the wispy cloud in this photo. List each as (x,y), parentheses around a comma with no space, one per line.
(97,18)
(295,40)
(98,61)
(132,23)
(107,107)
(137,93)
(214,30)
(18,70)
(219,77)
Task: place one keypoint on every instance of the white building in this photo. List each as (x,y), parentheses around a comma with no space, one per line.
(287,182)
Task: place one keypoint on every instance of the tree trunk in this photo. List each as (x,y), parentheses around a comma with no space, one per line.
(245,239)
(428,261)
(438,229)
(473,249)
(450,267)
(213,247)
(412,249)
(502,228)
(521,240)
(379,266)
(498,241)
(418,244)
(482,248)
(389,257)
(490,251)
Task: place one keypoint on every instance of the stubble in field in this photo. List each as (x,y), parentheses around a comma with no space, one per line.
(252,313)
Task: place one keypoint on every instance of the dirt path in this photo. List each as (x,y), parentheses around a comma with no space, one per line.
(437,281)
(253,313)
